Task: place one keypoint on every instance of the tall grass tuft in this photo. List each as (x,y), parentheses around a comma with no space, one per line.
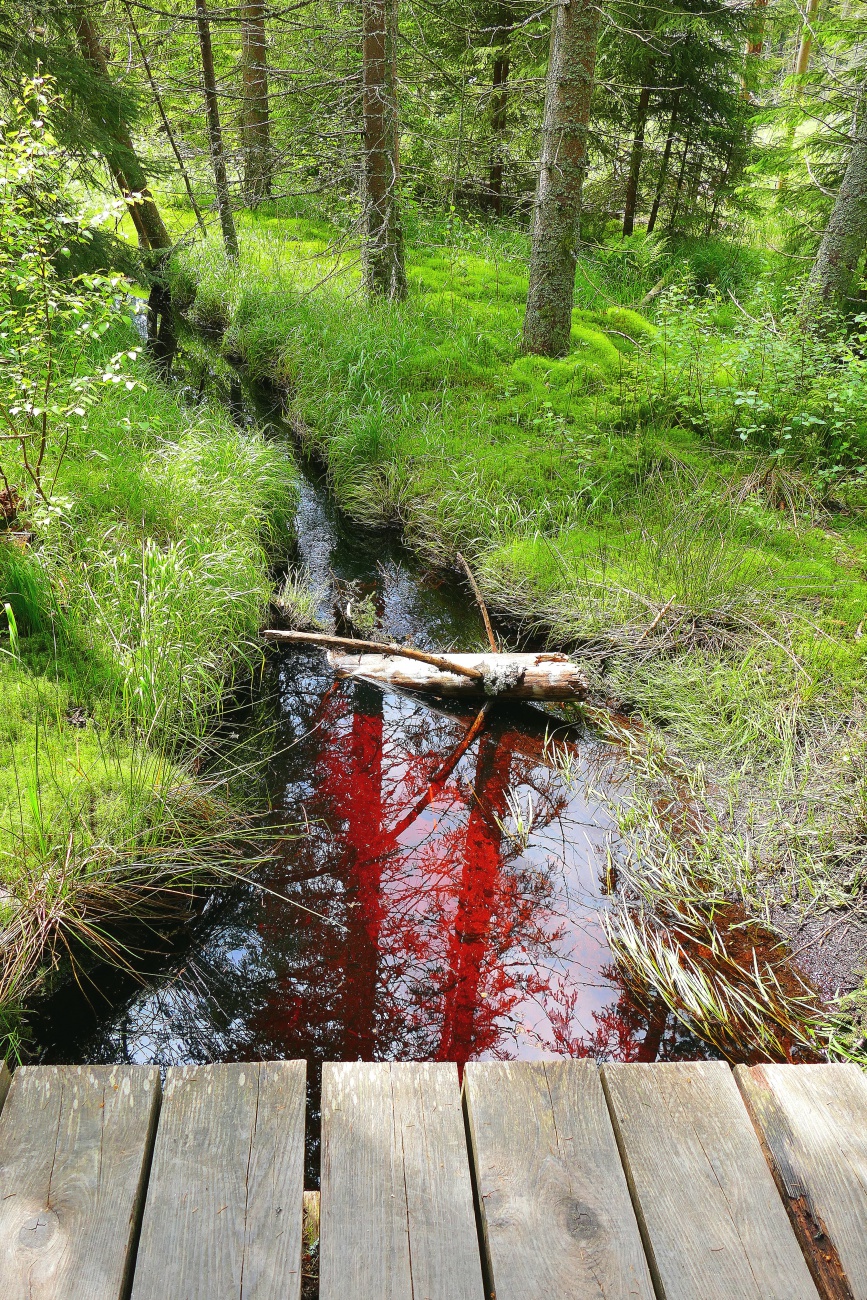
(130,833)
(132,610)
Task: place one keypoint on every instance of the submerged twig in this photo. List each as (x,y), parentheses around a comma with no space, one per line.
(492,640)
(442,774)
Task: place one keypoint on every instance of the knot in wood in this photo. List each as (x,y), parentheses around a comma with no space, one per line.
(37,1230)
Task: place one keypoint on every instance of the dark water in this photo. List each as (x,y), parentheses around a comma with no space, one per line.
(434,931)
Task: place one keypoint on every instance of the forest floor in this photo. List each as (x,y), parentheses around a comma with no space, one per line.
(681,500)
(131,604)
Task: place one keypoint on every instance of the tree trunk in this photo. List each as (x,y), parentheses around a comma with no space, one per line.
(257,123)
(556,220)
(635,160)
(499,101)
(802,62)
(125,167)
(675,203)
(844,239)
(695,182)
(167,126)
(719,192)
(756,37)
(367,852)
(215,135)
(663,167)
(384,270)
(468,1018)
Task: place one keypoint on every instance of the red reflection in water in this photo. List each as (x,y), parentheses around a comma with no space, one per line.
(452,939)
(469,1020)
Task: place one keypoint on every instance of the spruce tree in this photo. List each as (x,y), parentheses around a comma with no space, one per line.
(257,120)
(556,219)
(845,236)
(384,270)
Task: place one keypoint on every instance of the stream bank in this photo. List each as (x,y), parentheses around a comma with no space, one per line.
(127,608)
(385,924)
(470,930)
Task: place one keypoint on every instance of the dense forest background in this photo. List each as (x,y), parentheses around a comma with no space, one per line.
(704,119)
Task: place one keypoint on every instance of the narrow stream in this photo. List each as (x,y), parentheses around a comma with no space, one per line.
(446,933)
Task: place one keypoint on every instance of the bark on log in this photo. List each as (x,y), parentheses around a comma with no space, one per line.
(506,676)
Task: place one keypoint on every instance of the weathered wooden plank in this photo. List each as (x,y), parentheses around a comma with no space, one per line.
(812,1120)
(363,1241)
(74,1147)
(555,1207)
(397,1219)
(713,1225)
(223,1214)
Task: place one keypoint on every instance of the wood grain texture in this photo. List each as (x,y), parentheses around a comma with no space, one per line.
(74,1146)
(397,1218)
(223,1213)
(813,1122)
(714,1227)
(556,1211)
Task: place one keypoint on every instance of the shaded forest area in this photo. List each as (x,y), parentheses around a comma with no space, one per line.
(575,290)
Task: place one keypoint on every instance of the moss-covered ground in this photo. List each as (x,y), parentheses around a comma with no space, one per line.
(680,498)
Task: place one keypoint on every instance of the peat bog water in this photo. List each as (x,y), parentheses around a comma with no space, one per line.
(433,934)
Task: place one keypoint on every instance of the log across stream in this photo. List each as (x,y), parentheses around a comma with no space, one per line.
(501,675)
(453,876)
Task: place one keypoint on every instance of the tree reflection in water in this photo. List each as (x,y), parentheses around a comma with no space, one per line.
(453,939)
(435,932)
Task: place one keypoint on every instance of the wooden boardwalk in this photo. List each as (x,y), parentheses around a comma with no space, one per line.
(548,1181)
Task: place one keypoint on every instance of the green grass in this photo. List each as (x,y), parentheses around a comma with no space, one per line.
(681,497)
(134,607)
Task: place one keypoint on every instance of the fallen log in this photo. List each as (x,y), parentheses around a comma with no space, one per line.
(380,647)
(507,676)
(545,675)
